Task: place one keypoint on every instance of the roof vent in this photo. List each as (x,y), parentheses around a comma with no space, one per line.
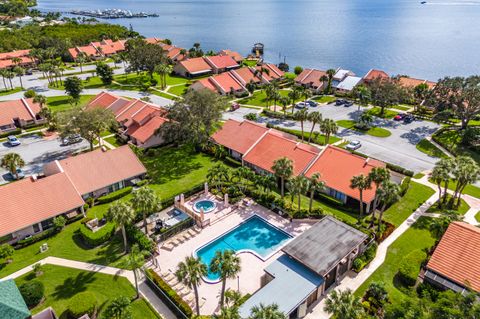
(104,148)
(33,178)
(366,161)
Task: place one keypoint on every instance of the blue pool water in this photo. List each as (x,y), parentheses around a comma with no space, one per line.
(255,234)
(206,205)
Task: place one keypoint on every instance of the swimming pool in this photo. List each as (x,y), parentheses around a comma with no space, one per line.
(205,204)
(255,235)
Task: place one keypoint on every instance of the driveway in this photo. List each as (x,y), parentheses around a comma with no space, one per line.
(399,148)
(37,151)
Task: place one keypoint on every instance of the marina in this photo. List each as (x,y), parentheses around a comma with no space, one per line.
(112,14)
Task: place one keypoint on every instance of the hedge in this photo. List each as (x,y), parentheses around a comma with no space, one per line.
(364,259)
(400,169)
(172,295)
(409,267)
(81,304)
(14,132)
(99,237)
(136,236)
(115,195)
(32,292)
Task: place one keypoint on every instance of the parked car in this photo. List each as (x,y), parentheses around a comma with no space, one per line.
(312,103)
(13,141)
(28,72)
(234,106)
(301,105)
(353,145)
(339,102)
(20,174)
(348,103)
(72,139)
(408,119)
(399,117)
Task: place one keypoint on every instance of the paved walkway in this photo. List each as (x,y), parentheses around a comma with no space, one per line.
(144,289)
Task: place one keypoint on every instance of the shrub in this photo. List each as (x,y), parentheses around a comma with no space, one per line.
(29,94)
(364,259)
(35,238)
(6,251)
(404,186)
(409,267)
(32,292)
(90,201)
(172,295)
(297,70)
(136,236)
(358,264)
(143,182)
(14,132)
(37,269)
(400,169)
(59,222)
(251,116)
(115,195)
(81,304)
(99,237)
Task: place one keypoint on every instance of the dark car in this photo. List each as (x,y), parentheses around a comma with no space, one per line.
(19,173)
(339,102)
(72,139)
(408,119)
(348,103)
(312,103)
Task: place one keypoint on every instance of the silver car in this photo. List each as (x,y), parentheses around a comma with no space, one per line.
(353,145)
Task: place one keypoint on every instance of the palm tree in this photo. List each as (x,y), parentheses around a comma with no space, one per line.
(3,73)
(283,168)
(19,71)
(360,182)
(314,185)
(344,305)
(119,308)
(232,298)
(362,94)
(227,265)
(266,312)
(466,172)
(294,95)
(9,75)
(443,170)
(217,175)
(145,201)
(388,193)
(121,214)
(301,116)
(251,86)
(328,127)
(306,93)
(324,79)
(163,70)
(12,162)
(377,176)
(190,273)
(330,74)
(284,101)
(314,117)
(40,99)
(227,313)
(438,176)
(298,186)
(135,261)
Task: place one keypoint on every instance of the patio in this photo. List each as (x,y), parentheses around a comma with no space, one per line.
(190,240)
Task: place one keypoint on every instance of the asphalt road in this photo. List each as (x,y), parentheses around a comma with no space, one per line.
(37,151)
(399,148)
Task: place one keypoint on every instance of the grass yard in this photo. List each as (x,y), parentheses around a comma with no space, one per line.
(374,131)
(320,139)
(471,190)
(451,139)
(427,147)
(178,90)
(8,92)
(290,75)
(416,195)
(113,141)
(61,284)
(162,94)
(388,114)
(259,97)
(250,63)
(477,216)
(137,79)
(417,237)
(60,103)
(324,99)
(418,175)
(462,209)
(402,107)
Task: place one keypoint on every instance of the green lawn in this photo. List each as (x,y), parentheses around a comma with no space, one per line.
(417,237)
(416,195)
(319,140)
(61,284)
(324,99)
(418,175)
(374,131)
(60,103)
(471,190)
(162,94)
(425,146)
(258,98)
(178,90)
(402,107)
(388,114)
(251,63)
(451,139)
(477,216)
(462,209)
(114,141)
(290,75)
(137,79)
(8,92)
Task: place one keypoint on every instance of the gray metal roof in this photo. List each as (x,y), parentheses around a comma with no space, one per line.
(325,244)
(292,284)
(433,276)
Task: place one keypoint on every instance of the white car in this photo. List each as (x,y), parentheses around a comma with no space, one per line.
(13,141)
(353,145)
(301,105)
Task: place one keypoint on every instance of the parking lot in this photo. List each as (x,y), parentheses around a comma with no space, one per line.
(36,151)
(399,148)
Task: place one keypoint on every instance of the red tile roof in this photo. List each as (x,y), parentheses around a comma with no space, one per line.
(275,72)
(195,65)
(89,50)
(337,167)
(412,82)
(98,169)
(221,61)
(146,131)
(205,84)
(245,75)
(152,40)
(275,145)
(239,136)
(457,256)
(311,77)
(23,109)
(27,202)
(14,54)
(226,82)
(374,74)
(234,55)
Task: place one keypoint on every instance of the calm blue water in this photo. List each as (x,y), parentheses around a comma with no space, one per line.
(206,205)
(254,234)
(439,38)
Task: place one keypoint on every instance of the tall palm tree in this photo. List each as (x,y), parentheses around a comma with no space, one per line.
(301,116)
(227,265)
(388,193)
(377,176)
(266,312)
(466,172)
(19,71)
(190,273)
(284,101)
(40,99)
(324,80)
(438,176)
(146,202)
(9,75)
(163,70)
(135,261)
(12,162)
(330,74)
(360,182)
(294,95)
(306,94)
(344,305)
(121,214)
(298,186)
(119,308)
(314,117)
(314,185)
(217,175)
(328,127)
(227,313)
(443,170)
(283,168)
(362,94)
(3,73)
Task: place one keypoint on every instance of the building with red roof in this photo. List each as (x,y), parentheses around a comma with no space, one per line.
(192,67)
(374,74)
(221,63)
(224,83)
(247,75)
(139,120)
(233,54)
(409,82)
(6,59)
(455,263)
(336,167)
(18,114)
(106,47)
(310,78)
(268,72)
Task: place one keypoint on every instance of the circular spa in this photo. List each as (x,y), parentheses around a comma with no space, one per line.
(205,204)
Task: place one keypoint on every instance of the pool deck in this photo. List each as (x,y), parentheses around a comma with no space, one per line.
(252,266)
